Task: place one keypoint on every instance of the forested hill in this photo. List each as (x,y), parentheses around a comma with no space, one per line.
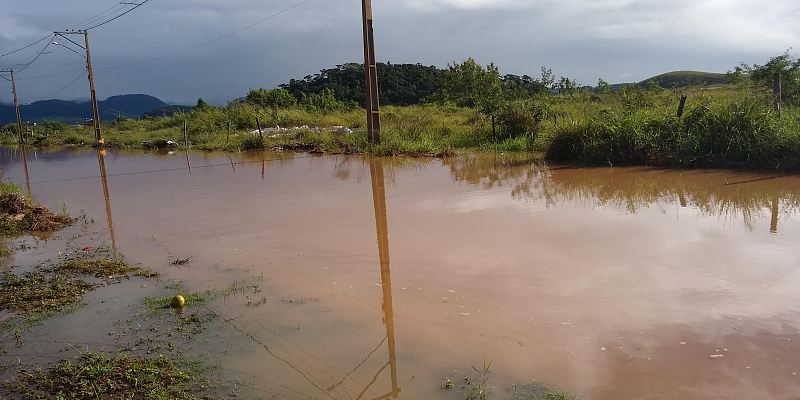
(688,78)
(400,84)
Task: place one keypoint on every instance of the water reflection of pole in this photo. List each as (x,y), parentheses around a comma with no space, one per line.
(188,164)
(263,165)
(25,166)
(773,226)
(101,160)
(382,227)
(232,165)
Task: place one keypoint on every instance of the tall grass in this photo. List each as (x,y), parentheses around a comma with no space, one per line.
(731,125)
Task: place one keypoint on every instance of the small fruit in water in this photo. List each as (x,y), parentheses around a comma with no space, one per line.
(178,301)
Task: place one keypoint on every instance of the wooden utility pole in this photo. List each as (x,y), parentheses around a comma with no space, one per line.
(16,104)
(95,109)
(371,76)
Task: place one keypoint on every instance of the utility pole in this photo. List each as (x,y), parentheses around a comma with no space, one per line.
(95,110)
(371,76)
(16,104)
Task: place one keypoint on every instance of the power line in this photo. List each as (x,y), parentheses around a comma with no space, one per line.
(72,82)
(39,54)
(136,5)
(24,47)
(217,39)
(179,52)
(104,13)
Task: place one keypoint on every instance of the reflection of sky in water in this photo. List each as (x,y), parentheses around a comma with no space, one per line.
(491,258)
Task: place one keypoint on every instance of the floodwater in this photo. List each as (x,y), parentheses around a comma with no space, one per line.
(381,277)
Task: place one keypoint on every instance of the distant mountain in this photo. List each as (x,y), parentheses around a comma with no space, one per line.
(688,78)
(129,105)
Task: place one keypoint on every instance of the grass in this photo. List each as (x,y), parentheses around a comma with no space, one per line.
(100,376)
(34,296)
(104,267)
(40,292)
(476,387)
(727,125)
(192,299)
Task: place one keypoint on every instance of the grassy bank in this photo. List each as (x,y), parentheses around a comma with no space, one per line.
(722,126)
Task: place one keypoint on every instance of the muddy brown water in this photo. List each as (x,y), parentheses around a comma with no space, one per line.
(381,277)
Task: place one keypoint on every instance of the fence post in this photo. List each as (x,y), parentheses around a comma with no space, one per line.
(185,134)
(681,105)
(260,133)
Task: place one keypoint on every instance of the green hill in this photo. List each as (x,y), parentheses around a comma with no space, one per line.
(688,78)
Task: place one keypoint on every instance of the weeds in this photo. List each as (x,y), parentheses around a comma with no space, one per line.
(104,267)
(40,292)
(100,376)
(192,299)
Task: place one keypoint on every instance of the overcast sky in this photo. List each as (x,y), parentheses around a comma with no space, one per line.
(617,40)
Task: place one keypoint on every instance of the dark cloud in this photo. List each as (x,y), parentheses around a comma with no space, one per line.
(618,40)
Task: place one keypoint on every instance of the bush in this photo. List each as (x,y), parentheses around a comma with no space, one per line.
(252,142)
(520,118)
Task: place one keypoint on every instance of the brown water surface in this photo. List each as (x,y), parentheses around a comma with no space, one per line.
(384,276)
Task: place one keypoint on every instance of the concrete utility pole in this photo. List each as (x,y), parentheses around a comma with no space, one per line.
(16,104)
(371,76)
(95,110)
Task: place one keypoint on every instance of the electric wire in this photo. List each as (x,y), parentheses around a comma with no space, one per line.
(118,16)
(111,10)
(72,82)
(25,47)
(39,54)
(217,39)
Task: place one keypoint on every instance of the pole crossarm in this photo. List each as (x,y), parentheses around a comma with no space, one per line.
(63,35)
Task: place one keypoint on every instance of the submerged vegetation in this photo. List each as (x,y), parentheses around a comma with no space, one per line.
(99,376)
(736,121)
(54,288)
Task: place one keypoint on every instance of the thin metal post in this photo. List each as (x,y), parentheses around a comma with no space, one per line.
(371,76)
(185,134)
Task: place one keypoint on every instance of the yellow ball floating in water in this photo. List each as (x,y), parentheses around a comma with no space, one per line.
(178,301)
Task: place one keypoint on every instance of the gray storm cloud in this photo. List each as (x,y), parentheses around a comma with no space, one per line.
(617,40)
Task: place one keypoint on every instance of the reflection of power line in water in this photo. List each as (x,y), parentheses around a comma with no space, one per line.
(164,170)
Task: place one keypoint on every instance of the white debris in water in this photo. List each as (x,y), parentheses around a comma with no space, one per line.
(717,355)
(683,342)
(602,349)
(451,291)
